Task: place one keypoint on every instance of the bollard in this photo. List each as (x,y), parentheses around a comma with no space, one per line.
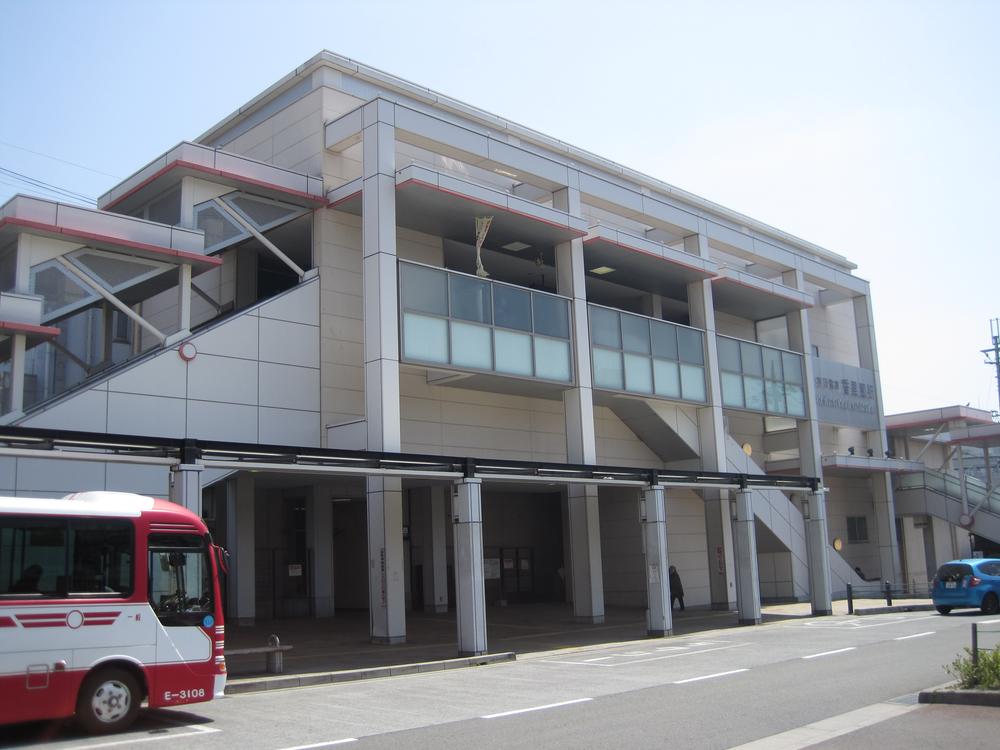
(975,646)
(275,659)
(850,599)
(888,594)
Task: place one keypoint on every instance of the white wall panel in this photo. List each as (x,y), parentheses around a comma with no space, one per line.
(133,414)
(223,379)
(289,427)
(289,343)
(214,421)
(165,375)
(55,478)
(234,338)
(86,411)
(298,306)
(289,387)
(8,475)
(143,480)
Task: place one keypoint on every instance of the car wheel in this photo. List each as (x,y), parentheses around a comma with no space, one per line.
(990,605)
(943,610)
(109,701)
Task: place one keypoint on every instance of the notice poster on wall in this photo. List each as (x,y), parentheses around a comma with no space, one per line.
(491,568)
(295,570)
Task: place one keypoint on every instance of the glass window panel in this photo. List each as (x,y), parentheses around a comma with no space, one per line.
(551,315)
(604,330)
(424,289)
(101,554)
(635,334)
(552,359)
(667,378)
(33,563)
(513,352)
(692,383)
(471,346)
(732,389)
(729,354)
(57,288)
(772,364)
(114,271)
(750,354)
(261,212)
(796,400)
(753,391)
(664,340)
(792,364)
(689,346)
(608,369)
(425,339)
(470,299)
(512,307)
(219,229)
(638,374)
(774,393)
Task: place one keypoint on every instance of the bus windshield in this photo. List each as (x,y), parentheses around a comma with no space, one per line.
(180,578)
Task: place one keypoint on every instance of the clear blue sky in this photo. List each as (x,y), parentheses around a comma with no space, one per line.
(870,128)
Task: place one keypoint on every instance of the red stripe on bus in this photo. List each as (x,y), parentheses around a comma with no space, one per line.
(7,622)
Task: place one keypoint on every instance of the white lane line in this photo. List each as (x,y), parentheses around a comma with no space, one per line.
(710,676)
(322,744)
(533,708)
(118,743)
(827,729)
(830,653)
(915,635)
(641,661)
(599,658)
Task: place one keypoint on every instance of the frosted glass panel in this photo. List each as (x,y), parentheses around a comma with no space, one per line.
(551,315)
(667,378)
(664,340)
(635,334)
(608,369)
(793,367)
(796,399)
(775,394)
(470,299)
(470,346)
(729,354)
(732,389)
(604,328)
(511,307)
(552,359)
(693,383)
(424,289)
(751,359)
(638,374)
(513,352)
(753,389)
(772,364)
(689,346)
(425,339)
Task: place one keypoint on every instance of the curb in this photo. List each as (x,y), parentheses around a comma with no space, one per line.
(261,684)
(895,608)
(959,697)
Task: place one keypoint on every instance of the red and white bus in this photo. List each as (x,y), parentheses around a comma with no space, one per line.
(106,599)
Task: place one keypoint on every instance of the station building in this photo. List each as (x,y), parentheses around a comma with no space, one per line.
(352,261)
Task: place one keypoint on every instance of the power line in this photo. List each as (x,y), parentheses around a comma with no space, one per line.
(62,161)
(48,186)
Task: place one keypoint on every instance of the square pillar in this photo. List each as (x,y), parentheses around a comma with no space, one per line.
(435,551)
(470,588)
(185,486)
(659,618)
(242,550)
(818,551)
(747,580)
(585,566)
(319,527)
(386,600)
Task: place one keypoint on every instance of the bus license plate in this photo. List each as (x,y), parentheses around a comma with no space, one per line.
(950,584)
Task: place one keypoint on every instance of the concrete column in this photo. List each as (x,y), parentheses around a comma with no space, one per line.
(470,589)
(435,551)
(386,600)
(185,486)
(712,439)
(747,580)
(184,300)
(586,578)
(659,618)
(885,507)
(319,527)
(810,458)
(17,355)
(818,549)
(242,549)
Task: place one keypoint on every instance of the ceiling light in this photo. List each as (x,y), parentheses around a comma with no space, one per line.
(515,246)
(505,173)
(601,270)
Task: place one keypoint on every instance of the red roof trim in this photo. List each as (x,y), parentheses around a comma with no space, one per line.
(318,200)
(28,328)
(334,204)
(157,249)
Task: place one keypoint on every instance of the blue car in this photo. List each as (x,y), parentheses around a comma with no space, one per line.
(968,583)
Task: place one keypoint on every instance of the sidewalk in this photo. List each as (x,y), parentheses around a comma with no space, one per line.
(340,649)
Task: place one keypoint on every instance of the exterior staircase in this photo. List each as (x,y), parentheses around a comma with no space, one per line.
(938,494)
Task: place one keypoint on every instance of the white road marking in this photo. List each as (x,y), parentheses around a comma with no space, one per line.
(915,635)
(710,676)
(322,744)
(830,653)
(534,708)
(861,623)
(590,663)
(827,729)
(196,730)
(599,658)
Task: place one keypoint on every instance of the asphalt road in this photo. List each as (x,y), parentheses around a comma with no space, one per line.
(840,681)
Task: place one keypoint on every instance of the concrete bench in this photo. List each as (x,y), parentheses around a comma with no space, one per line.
(274,650)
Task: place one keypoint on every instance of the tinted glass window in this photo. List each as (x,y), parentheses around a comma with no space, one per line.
(101,557)
(635,334)
(424,289)
(32,556)
(551,316)
(512,307)
(604,329)
(470,299)
(180,581)
(664,341)
(953,571)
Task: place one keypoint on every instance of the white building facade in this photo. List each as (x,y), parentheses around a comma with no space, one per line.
(314,272)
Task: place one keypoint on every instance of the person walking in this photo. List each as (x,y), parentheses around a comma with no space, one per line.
(676,588)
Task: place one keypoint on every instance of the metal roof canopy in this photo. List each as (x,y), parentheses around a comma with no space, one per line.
(86,446)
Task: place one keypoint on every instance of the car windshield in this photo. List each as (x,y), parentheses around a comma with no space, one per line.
(954,572)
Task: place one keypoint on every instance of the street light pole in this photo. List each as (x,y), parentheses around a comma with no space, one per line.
(993,356)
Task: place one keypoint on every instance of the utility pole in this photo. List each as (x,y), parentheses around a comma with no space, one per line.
(993,356)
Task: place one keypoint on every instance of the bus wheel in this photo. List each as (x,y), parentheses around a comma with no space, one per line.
(109,701)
